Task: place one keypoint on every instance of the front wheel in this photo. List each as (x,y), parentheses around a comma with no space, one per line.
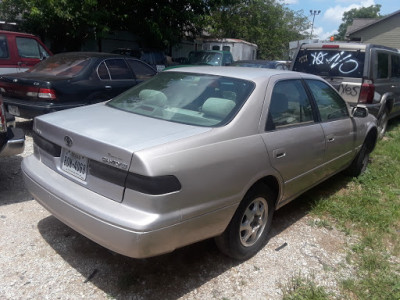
(248,230)
(360,162)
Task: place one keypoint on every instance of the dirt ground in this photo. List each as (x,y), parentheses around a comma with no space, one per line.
(41,258)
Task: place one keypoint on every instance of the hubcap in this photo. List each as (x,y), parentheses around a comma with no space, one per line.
(253,222)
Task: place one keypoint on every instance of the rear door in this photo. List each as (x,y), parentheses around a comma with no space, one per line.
(294,139)
(116,77)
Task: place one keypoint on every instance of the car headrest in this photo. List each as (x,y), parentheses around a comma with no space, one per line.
(218,107)
(153,97)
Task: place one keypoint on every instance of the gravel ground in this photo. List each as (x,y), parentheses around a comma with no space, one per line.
(41,258)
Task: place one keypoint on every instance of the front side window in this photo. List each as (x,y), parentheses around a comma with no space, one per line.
(193,99)
(330,105)
(289,105)
(3,47)
(28,48)
(330,62)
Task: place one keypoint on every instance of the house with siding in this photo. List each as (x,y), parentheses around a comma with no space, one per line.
(383,31)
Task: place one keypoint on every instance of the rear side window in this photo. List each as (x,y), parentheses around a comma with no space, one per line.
(330,62)
(28,48)
(118,69)
(3,47)
(289,105)
(395,66)
(141,70)
(383,66)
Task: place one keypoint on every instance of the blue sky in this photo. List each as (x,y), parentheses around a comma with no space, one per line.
(328,21)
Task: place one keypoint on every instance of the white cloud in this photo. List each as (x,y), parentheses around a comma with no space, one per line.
(289,1)
(334,15)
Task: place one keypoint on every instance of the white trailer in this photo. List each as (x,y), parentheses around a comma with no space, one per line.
(241,50)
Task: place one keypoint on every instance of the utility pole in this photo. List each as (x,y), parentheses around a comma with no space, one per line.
(313,13)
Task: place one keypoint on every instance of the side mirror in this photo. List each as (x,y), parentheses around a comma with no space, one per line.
(360,111)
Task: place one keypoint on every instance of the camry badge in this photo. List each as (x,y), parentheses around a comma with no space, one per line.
(68,141)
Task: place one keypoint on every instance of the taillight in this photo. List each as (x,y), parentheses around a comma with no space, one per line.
(43,93)
(47,93)
(367,92)
(3,125)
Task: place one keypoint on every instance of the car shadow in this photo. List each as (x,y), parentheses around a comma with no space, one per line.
(168,276)
(12,188)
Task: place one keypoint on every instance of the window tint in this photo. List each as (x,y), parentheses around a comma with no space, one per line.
(3,47)
(118,69)
(330,62)
(141,70)
(103,72)
(383,65)
(330,105)
(289,105)
(27,48)
(395,66)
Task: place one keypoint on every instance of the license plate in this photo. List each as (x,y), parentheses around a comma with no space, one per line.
(12,109)
(74,164)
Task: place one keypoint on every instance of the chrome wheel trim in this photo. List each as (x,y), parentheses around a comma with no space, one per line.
(253,221)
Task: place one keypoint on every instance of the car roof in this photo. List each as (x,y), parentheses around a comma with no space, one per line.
(246,73)
(89,54)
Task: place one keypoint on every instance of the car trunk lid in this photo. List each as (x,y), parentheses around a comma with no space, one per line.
(96,144)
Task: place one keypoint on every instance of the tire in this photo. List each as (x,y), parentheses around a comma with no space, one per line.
(360,162)
(248,230)
(382,123)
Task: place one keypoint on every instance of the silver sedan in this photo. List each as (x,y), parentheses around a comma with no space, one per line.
(194,153)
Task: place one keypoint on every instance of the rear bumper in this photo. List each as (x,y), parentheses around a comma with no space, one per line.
(15,142)
(30,109)
(105,221)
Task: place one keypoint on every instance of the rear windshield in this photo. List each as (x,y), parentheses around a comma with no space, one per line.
(330,62)
(205,58)
(61,65)
(193,99)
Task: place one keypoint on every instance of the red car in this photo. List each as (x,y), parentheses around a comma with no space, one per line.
(20,51)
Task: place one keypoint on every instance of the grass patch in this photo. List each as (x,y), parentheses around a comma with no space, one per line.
(369,206)
(300,288)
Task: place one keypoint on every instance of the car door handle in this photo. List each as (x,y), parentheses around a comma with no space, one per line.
(330,138)
(108,87)
(279,153)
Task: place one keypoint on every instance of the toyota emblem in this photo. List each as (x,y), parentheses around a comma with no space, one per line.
(68,141)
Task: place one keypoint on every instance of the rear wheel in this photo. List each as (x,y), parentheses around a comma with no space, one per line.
(247,232)
(382,123)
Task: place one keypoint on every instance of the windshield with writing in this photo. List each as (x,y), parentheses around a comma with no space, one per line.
(330,63)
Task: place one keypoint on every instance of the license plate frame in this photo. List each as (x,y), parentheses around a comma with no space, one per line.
(74,164)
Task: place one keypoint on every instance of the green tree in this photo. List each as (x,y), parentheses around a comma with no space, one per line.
(372,11)
(68,23)
(267,23)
